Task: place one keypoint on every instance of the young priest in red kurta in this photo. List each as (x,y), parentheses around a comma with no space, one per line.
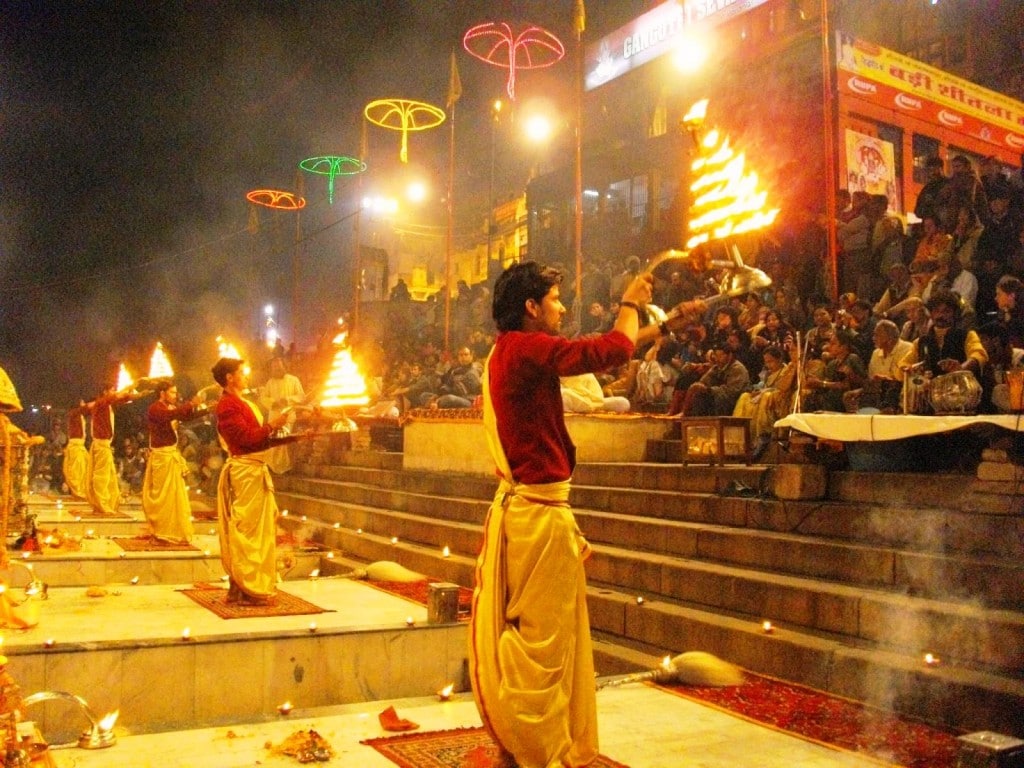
(531,661)
(246,506)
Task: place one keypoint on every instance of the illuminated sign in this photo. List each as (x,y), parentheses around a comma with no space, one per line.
(653,34)
(911,87)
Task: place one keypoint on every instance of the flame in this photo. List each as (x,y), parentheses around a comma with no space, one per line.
(225,349)
(697,113)
(124,379)
(445,693)
(159,365)
(230,351)
(726,196)
(107,722)
(345,385)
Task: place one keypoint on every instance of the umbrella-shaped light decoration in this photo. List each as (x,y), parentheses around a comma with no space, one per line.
(276,199)
(497,44)
(332,166)
(159,365)
(726,198)
(404,115)
(124,379)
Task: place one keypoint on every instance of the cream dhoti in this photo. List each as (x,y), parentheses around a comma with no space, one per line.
(104,489)
(76,467)
(530,655)
(165,495)
(248,525)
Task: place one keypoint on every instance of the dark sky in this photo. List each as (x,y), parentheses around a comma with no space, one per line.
(131,131)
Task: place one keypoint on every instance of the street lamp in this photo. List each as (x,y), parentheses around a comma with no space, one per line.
(495,112)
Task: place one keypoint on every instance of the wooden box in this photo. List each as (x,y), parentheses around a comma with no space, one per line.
(715,440)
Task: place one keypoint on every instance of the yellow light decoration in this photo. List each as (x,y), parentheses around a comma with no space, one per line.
(726,197)
(345,385)
(404,115)
(159,365)
(124,379)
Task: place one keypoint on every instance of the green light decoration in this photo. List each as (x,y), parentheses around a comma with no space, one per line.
(276,199)
(405,116)
(332,166)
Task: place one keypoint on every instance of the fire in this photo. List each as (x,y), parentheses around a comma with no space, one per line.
(726,196)
(108,720)
(345,385)
(159,365)
(226,349)
(124,379)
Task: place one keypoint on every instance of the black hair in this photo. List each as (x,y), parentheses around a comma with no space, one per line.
(223,367)
(517,285)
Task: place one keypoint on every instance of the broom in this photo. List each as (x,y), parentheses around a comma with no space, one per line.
(690,668)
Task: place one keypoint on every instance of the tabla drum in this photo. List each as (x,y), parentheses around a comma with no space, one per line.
(916,395)
(955,393)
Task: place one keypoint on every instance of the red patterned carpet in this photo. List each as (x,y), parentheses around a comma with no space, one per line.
(149,544)
(215,599)
(461,748)
(830,720)
(416,592)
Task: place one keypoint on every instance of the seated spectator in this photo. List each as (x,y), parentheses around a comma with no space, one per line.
(1002,357)
(819,335)
(774,332)
(885,377)
(458,386)
(934,243)
(1010,305)
(843,371)
(770,398)
(657,374)
(582,394)
(410,392)
(597,320)
(945,347)
(862,325)
(897,290)
(716,392)
(917,325)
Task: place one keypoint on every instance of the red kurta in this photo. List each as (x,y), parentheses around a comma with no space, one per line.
(160,420)
(523,370)
(239,428)
(76,423)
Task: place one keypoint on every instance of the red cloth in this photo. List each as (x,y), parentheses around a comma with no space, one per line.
(159,420)
(76,423)
(524,372)
(103,415)
(238,426)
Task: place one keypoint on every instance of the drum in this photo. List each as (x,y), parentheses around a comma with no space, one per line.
(916,394)
(955,393)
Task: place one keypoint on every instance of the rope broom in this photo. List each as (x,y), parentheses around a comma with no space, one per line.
(690,668)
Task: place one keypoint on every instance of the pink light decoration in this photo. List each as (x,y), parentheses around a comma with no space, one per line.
(498,45)
(274,198)
(405,116)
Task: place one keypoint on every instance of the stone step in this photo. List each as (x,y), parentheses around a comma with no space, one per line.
(127,652)
(880,616)
(103,562)
(437,521)
(976,636)
(651,494)
(943,694)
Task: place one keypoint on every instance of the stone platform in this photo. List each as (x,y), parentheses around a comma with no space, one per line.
(127,651)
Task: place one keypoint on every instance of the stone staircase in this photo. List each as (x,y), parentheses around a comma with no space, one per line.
(858,586)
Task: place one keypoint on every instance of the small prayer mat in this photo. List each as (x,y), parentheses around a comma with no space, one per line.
(459,748)
(285,604)
(149,544)
(831,720)
(417,591)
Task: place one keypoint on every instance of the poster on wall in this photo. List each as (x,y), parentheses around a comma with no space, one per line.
(871,167)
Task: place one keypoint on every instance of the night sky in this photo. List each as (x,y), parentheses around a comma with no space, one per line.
(132,131)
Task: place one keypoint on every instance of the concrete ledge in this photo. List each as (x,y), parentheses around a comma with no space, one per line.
(450,445)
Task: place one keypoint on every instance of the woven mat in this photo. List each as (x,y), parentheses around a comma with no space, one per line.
(149,544)
(831,720)
(416,592)
(461,748)
(216,599)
